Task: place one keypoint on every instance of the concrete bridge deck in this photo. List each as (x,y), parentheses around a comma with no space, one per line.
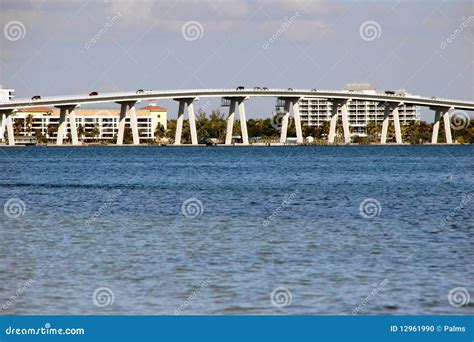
(289,98)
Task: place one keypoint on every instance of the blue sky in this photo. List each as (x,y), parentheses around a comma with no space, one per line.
(68,47)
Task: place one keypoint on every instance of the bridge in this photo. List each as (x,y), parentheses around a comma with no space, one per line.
(234,99)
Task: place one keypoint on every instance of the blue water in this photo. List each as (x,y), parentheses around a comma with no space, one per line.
(271,217)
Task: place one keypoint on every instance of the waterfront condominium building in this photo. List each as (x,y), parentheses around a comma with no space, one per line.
(96,124)
(6,94)
(314,112)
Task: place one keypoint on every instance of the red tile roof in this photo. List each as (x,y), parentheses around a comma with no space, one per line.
(154,108)
(36,109)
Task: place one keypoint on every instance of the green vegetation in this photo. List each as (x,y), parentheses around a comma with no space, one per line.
(262,130)
(215,126)
(51,129)
(29,124)
(40,137)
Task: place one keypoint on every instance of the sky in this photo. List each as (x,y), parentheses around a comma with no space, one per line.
(52,47)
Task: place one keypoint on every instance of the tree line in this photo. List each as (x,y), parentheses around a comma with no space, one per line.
(264,130)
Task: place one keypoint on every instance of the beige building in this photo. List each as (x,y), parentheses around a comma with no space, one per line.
(95,124)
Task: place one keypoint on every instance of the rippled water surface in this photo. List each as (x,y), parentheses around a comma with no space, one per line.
(254,221)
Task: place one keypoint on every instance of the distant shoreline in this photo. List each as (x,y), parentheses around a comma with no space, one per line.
(229,146)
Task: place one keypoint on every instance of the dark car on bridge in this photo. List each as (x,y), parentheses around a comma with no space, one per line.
(36,97)
(240,88)
(94,93)
(140,91)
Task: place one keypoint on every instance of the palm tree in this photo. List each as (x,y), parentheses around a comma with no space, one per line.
(18,126)
(41,138)
(81,131)
(95,132)
(29,124)
(170,132)
(51,129)
(159,132)
(373,131)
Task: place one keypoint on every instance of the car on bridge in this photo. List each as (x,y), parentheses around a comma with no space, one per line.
(140,91)
(36,97)
(257,88)
(93,93)
(389,92)
(240,88)
(290,89)
(265,88)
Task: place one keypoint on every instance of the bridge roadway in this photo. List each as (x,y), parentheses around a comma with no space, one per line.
(235,98)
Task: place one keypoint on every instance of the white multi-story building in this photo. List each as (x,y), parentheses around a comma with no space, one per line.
(95,124)
(6,94)
(314,112)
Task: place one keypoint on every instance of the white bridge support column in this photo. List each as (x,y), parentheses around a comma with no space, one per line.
(129,107)
(243,122)
(179,123)
(284,123)
(434,136)
(391,108)
(192,123)
(3,121)
(121,123)
(386,114)
(180,120)
(333,122)
(447,126)
(67,112)
(396,121)
(73,125)
(9,128)
(230,122)
(442,113)
(134,123)
(345,121)
(293,105)
(61,126)
(296,115)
